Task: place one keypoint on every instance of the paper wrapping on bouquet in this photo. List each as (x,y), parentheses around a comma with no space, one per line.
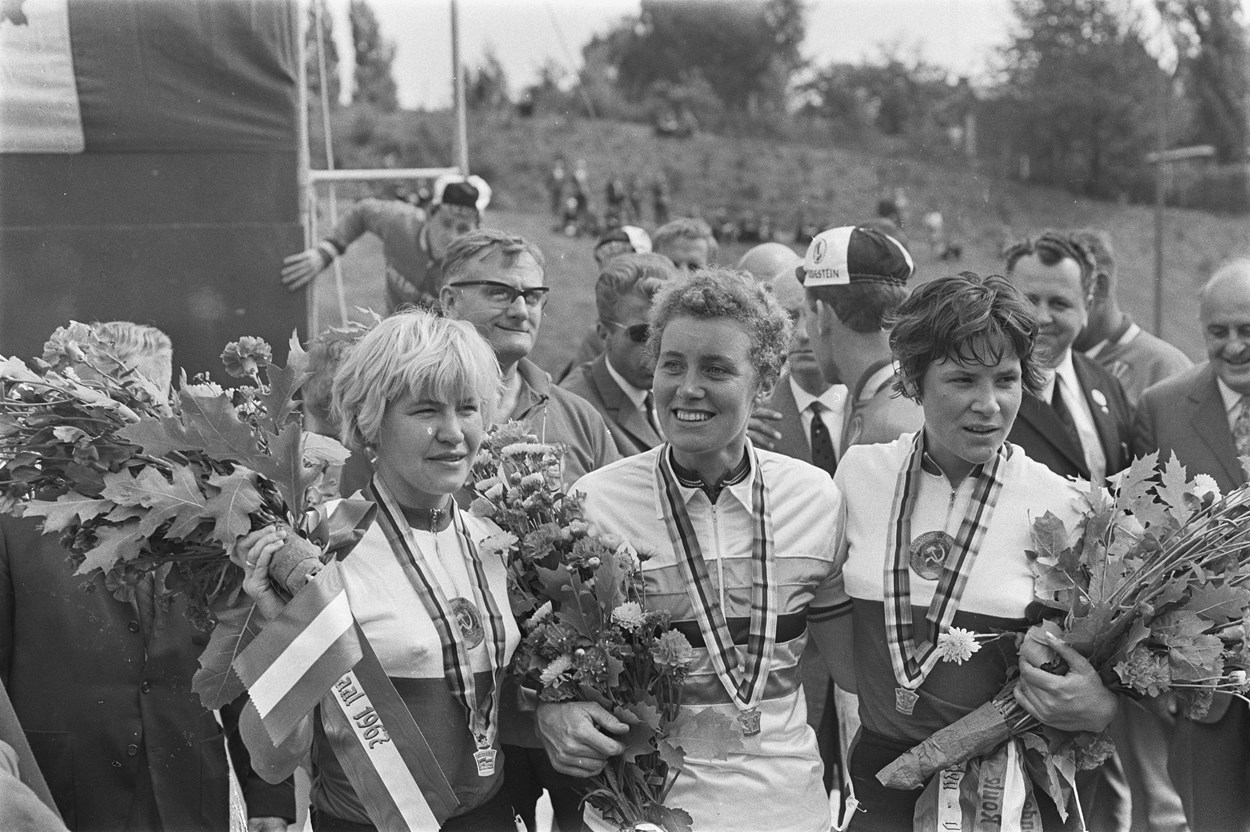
(985,794)
(976,734)
(315,653)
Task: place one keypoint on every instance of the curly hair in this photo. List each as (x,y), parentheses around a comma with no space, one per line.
(626,274)
(412,351)
(480,244)
(721,292)
(965,318)
(1053,247)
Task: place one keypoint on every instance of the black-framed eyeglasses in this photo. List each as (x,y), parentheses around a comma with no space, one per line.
(638,333)
(504,295)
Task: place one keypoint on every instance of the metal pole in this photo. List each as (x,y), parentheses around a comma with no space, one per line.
(307,194)
(457,86)
(1159,189)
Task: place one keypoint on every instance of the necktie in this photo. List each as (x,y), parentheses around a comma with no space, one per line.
(823,454)
(1241,428)
(1061,410)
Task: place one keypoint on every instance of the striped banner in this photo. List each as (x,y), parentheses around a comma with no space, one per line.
(300,654)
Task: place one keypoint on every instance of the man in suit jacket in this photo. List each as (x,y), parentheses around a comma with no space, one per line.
(1080,425)
(102,686)
(618,382)
(1203,417)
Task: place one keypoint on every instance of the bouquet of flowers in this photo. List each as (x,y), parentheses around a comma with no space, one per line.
(134,483)
(1150,588)
(588,634)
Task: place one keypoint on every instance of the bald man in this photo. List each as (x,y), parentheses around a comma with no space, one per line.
(767,260)
(1203,416)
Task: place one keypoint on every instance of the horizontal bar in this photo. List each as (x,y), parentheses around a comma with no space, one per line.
(378,175)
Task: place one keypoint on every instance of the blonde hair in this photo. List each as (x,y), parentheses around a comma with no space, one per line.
(413,351)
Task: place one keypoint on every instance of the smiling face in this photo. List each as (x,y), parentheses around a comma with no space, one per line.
(511,328)
(969,410)
(1225,315)
(426,447)
(1056,294)
(705,386)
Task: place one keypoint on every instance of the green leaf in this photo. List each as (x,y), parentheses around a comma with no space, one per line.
(1051,537)
(1192,655)
(113,543)
(1044,768)
(209,424)
(284,383)
(1219,603)
(638,740)
(707,735)
(215,682)
(1137,481)
(284,467)
(66,510)
(231,507)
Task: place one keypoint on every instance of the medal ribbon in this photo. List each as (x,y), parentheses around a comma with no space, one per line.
(457,670)
(745,685)
(912,662)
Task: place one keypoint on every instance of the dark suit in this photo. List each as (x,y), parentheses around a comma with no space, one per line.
(630,430)
(794,442)
(1043,436)
(113,723)
(1210,761)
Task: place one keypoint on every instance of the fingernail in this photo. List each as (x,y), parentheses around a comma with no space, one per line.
(1051,637)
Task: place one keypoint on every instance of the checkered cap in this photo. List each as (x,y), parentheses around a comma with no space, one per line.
(853,254)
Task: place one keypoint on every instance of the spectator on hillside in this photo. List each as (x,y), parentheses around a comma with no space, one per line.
(618,382)
(635,199)
(687,242)
(412,244)
(660,201)
(555,186)
(1110,337)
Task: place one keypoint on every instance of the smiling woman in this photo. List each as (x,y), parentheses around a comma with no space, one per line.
(956,528)
(742,561)
(416,393)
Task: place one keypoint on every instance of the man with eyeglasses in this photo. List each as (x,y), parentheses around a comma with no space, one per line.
(413,246)
(495,281)
(618,382)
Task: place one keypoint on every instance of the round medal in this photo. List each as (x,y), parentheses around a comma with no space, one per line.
(929,553)
(469,621)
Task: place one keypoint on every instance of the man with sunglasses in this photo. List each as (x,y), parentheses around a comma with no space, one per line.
(618,382)
(412,244)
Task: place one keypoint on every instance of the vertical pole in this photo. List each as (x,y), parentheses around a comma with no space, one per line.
(305,162)
(1159,194)
(457,88)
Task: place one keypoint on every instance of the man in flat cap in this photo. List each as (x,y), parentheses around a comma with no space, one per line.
(412,244)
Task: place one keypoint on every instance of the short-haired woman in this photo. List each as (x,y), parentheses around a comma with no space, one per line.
(742,544)
(417,391)
(953,504)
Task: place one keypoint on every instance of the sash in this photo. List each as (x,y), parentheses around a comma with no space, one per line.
(314,652)
(912,662)
(745,682)
(483,716)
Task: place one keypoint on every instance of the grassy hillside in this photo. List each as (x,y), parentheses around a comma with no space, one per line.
(834,185)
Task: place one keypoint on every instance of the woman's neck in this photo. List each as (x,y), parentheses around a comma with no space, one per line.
(429,518)
(712,466)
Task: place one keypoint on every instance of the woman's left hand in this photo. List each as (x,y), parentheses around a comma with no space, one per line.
(1076,701)
(254,551)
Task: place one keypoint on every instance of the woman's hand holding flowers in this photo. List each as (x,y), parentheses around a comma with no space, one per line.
(573,736)
(253,552)
(1075,701)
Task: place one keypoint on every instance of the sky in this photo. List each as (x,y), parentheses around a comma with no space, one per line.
(956,34)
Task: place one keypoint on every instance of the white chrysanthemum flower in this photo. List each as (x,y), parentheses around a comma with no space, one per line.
(629,615)
(957,645)
(497,545)
(558,667)
(540,615)
(207,390)
(533,481)
(1237,677)
(1205,484)
(523,448)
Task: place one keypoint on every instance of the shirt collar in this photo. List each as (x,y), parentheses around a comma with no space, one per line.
(1067,371)
(635,394)
(737,481)
(832,398)
(1230,396)
(535,389)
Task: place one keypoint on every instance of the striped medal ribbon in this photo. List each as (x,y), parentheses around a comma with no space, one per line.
(744,681)
(912,662)
(457,670)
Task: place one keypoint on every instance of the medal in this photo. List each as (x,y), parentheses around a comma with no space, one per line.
(749,718)
(485,759)
(468,620)
(905,700)
(929,553)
